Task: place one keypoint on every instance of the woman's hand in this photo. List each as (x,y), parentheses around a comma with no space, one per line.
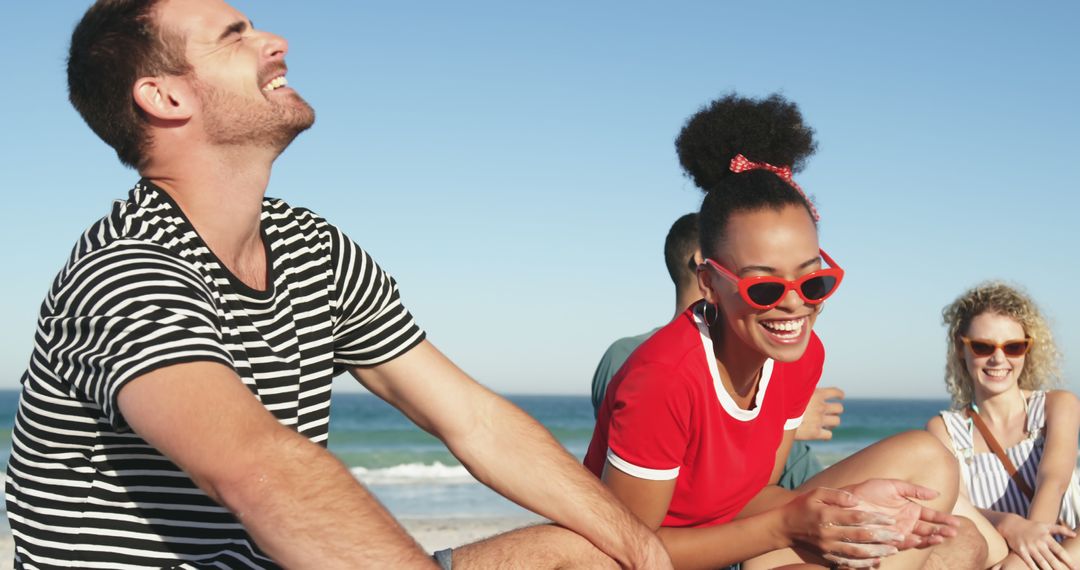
(921,526)
(830,522)
(1033,543)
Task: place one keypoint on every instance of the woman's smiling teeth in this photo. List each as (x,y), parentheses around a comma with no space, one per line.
(996,372)
(276,82)
(784,328)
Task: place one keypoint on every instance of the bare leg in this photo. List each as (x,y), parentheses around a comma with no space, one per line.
(1072,546)
(541,546)
(966,550)
(905,456)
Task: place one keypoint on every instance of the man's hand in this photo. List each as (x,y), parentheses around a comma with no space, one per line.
(821,415)
(921,526)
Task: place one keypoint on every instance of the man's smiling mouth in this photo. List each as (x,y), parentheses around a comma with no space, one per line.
(275,83)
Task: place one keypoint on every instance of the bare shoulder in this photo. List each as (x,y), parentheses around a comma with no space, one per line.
(1062,424)
(1062,402)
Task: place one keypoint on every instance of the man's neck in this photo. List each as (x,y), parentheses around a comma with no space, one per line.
(221,194)
(685,298)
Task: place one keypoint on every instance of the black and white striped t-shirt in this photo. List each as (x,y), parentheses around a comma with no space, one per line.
(142,291)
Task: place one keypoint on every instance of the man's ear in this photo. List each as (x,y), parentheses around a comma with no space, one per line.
(167,98)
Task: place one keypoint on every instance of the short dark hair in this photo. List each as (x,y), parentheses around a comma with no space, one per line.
(763,130)
(116,43)
(679,249)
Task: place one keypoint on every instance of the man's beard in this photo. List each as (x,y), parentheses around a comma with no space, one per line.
(230,119)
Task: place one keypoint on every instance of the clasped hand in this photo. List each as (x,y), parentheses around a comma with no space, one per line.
(857,526)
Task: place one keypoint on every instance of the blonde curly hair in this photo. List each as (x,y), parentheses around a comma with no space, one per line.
(1042,363)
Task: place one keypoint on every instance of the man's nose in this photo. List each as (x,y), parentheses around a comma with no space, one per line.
(274,46)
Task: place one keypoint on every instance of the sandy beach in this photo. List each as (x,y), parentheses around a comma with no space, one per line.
(432,533)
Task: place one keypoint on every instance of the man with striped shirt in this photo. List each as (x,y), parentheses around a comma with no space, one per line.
(175,410)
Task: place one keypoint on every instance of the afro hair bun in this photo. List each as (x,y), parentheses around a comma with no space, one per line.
(763,130)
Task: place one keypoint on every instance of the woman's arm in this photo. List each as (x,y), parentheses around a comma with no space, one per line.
(821,519)
(1031,540)
(782,453)
(773,495)
(1059,456)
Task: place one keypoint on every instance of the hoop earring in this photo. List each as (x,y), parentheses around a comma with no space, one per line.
(705,313)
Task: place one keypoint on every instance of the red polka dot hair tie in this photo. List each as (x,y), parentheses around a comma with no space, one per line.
(742,164)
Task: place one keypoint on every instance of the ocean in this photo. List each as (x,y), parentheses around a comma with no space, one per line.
(414,475)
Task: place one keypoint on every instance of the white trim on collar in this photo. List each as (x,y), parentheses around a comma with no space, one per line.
(726,401)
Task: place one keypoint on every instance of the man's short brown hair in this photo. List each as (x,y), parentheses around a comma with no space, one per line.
(116,43)
(679,249)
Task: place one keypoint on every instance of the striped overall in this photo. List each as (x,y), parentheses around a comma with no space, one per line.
(988,483)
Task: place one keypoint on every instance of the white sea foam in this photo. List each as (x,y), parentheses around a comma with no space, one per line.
(413,473)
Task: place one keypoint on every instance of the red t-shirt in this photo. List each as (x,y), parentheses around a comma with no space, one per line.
(666,415)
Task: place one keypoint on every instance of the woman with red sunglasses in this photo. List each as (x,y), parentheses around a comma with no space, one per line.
(1015,441)
(696,426)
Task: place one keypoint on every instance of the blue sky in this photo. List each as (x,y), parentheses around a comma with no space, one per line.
(512,164)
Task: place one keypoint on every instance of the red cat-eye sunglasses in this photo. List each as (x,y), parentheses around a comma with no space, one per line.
(766,291)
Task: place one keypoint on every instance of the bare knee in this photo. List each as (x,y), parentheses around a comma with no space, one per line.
(922,449)
(931,465)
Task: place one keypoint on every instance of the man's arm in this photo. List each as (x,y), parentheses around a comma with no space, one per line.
(298,502)
(510,452)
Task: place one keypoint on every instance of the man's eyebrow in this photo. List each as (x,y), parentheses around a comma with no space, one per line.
(237,27)
(767,269)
